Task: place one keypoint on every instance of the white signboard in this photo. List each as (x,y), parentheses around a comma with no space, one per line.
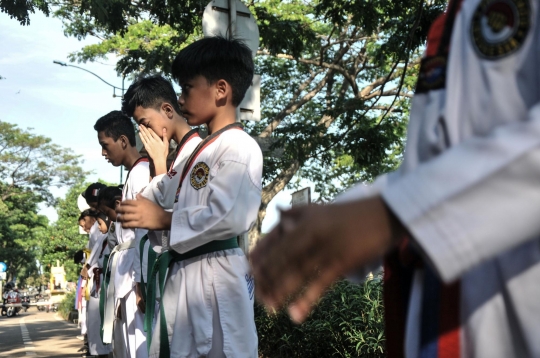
(301,197)
(216,22)
(3,275)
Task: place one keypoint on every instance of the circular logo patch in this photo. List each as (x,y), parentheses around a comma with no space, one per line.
(199,175)
(499,27)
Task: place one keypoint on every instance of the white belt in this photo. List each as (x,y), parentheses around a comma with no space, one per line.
(108,318)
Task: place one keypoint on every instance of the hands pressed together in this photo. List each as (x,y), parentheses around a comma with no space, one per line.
(157,148)
(315,245)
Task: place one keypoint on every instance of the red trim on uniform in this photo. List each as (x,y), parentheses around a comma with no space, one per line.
(193,135)
(435,35)
(199,151)
(449,322)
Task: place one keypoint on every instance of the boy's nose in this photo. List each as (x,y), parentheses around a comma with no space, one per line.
(181,100)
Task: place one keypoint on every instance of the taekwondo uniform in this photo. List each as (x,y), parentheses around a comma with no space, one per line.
(468,191)
(207,304)
(95,275)
(124,264)
(162,190)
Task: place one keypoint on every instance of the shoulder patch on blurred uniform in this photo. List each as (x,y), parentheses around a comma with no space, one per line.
(500,27)
(199,175)
(113,228)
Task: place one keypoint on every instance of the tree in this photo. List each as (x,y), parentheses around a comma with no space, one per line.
(21,231)
(63,237)
(20,10)
(32,162)
(337,77)
(29,165)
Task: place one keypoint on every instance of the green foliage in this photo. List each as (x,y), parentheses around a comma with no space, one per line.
(31,161)
(67,304)
(20,9)
(337,77)
(21,230)
(63,238)
(347,322)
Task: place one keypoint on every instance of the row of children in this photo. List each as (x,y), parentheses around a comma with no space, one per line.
(167,277)
(101,241)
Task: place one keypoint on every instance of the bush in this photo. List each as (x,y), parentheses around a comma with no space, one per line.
(67,305)
(348,322)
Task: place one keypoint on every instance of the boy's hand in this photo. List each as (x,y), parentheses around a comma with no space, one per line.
(143,213)
(314,245)
(84,272)
(157,148)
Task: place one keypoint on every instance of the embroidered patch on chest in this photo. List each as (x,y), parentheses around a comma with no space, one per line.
(199,175)
(500,27)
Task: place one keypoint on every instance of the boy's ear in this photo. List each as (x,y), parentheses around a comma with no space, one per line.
(116,203)
(167,109)
(222,89)
(124,141)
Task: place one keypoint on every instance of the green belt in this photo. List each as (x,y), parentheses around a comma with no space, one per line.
(151,260)
(161,267)
(103,292)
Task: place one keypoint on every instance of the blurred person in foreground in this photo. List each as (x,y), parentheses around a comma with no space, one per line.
(457,225)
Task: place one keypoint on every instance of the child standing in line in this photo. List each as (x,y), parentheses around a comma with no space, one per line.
(94,267)
(108,201)
(116,135)
(207,303)
(153,104)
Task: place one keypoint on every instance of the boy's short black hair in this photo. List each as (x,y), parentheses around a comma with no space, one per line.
(149,92)
(217,58)
(115,124)
(109,195)
(88,212)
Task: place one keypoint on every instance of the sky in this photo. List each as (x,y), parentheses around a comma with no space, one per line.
(63,103)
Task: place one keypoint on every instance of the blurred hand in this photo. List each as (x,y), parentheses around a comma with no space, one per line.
(315,245)
(143,213)
(84,272)
(157,148)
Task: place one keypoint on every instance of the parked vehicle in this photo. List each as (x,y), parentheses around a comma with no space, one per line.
(12,301)
(25,300)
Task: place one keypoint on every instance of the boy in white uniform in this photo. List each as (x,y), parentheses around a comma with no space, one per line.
(208,299)
(466,195)
(153,104)
(116,135)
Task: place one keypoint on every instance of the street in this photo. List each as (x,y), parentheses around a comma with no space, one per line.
(38,334)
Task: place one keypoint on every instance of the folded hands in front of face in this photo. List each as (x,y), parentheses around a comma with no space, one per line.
(157,148)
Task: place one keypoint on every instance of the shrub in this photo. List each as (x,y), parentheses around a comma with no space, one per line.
(347,322)
(67,305)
